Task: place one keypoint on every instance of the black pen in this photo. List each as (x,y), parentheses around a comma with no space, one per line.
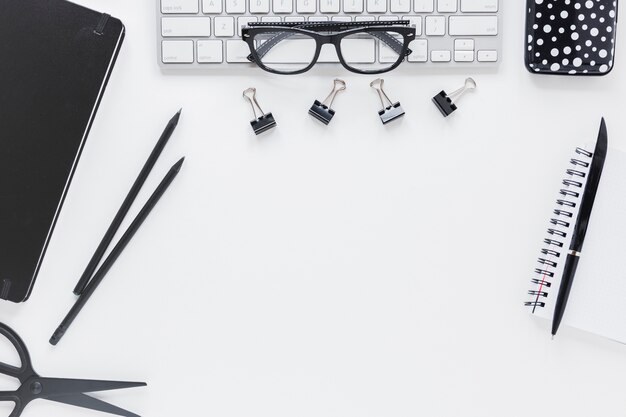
(580,228)
(115,253)
(128,201)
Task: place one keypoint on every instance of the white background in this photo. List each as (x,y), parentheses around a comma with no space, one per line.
(354,270)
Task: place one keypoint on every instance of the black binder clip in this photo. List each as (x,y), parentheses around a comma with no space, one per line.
(263,121)
(390,111)
(322,110)
(445,102)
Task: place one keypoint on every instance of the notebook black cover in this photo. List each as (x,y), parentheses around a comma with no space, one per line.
(55,61)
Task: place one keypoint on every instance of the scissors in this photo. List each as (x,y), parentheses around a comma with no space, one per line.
(66,391)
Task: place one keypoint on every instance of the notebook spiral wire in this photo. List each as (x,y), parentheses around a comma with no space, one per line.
(558,231)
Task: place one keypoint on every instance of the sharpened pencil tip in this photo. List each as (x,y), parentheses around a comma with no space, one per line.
(178,164)
(176,117)
(552,337)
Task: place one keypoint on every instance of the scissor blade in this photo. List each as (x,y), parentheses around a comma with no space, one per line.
(60,386)
(85,401)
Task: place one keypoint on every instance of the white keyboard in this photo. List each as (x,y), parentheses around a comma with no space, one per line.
(206,34)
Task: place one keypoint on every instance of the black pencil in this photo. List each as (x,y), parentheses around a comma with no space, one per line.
(115,253)
(128,202)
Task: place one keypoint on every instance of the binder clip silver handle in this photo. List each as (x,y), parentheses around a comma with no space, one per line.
(377,85)
(390,111)
(338,85)
(262,121)
(470,84)
(322,111)
(250,94)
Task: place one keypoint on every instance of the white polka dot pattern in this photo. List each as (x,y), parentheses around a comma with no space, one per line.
(575,37)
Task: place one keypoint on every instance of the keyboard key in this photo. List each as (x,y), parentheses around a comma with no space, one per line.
(446,6)
(473,25)
(377,6)
(237,51)
(179,6)
(236,6)
(295,19)
(212,6)
(341,19)
(225,26)
(420,50)
(283,6)
(243,22)
(273,19)
(364,18)
(259,6)
(417,21)
(400,6)
(440,56)
(424,6)
(306,6)
(318,19)
(353,6)
(210,52)
(388,18)
(177,52)
(464,56)
(435,25)
(487,56)
(479,6)
(185,26)
(464,45)
(329,6)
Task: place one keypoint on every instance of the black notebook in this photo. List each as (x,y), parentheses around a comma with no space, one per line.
(56,60)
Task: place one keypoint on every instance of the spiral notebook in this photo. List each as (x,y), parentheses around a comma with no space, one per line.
(597,302)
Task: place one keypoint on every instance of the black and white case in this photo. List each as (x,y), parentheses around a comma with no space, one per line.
(570,37)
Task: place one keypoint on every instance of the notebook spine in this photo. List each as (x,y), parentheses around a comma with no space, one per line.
(561,221)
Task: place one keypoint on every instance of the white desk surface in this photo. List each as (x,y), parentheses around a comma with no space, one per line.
(353,270)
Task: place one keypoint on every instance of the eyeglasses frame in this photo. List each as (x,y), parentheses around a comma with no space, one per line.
(344,29)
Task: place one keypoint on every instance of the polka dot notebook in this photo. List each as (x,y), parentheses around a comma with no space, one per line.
(575,37)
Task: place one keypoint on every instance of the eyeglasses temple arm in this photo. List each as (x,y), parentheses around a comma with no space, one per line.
(321,26)
(390,41)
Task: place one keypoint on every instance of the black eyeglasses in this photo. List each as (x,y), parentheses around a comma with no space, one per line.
(362,47)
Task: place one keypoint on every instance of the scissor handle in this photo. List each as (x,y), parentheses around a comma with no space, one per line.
(25,370)
(15,399)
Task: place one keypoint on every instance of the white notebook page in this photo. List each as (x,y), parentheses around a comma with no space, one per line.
(597,301)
